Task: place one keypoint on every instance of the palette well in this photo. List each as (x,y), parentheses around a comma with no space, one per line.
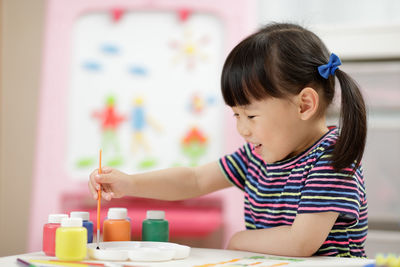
(137,251)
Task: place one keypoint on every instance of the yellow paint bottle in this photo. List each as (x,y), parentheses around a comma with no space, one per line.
(71,239)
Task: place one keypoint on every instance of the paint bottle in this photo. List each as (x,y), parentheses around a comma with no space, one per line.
(123,210)
(84,215)
(71,240)
(155,227)
(116,227)
(49,233)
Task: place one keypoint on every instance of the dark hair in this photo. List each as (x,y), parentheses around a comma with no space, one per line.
(280,60)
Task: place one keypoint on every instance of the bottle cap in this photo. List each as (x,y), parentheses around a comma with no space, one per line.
(155,215)
(71,222)
(56,218)
(123,209)
(117,213)
(80,214)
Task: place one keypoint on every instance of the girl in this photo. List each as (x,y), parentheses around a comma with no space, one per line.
(303,183)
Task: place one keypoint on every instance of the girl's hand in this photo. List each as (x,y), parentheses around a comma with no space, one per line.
(114,184)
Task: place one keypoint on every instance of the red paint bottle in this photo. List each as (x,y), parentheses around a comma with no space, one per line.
(49,233)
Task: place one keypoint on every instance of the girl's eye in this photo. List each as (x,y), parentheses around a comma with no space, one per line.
(250,117)
(235,115)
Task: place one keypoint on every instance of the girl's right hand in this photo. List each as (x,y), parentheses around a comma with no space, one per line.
(114,184)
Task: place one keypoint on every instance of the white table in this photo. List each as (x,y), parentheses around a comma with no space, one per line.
(202,256)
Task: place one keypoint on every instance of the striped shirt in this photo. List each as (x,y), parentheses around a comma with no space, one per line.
(274,193)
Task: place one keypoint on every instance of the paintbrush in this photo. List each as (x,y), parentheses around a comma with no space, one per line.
(98,206)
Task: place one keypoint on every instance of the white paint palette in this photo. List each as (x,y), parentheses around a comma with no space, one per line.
(137,251)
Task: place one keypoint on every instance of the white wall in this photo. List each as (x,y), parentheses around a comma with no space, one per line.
(336,13)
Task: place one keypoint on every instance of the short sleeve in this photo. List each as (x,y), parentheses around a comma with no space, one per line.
(328,190)
(234,166)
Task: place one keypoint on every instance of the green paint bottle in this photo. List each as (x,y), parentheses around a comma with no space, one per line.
(155,227)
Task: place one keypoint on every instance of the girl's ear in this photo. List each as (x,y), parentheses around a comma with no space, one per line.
(308,103)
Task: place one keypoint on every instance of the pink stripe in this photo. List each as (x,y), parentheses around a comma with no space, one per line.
(357,250)
(345,223)
(358,240)
(336,242)
(334,186)
(270,184)
(283,183)
(275,222)
(230,173)
(363,217)
(337,179)
(255,175)
(325,167)
(328,167)
(328,253)
(255,204)
(266,221)
(325,209)
(359,178)
(271,216)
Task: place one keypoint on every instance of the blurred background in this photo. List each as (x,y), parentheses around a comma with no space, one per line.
(365,34)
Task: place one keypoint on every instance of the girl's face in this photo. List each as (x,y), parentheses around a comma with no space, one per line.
(273,126)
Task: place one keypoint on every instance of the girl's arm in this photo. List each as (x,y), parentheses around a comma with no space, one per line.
(169,184)
(302,239)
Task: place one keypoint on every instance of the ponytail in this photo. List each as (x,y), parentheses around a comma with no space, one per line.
(350,145)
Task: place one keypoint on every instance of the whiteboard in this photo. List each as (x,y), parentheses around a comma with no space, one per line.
(160,76)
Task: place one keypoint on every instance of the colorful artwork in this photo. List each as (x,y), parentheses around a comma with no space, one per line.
(145,123)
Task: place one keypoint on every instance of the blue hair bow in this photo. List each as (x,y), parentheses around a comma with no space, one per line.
(331,67)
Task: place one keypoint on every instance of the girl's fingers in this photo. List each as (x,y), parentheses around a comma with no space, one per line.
(107,188)
(100,180)
(92,190)
(107,196)
(106,169)
(92,179)
(104,178)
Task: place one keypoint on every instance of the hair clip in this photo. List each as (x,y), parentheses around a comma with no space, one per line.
(330,67)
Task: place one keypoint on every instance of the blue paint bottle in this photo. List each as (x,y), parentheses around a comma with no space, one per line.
(86,223)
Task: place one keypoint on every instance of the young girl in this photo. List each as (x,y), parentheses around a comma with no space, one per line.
(302,181)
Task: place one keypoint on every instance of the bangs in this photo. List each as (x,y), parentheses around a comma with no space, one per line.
(247,75)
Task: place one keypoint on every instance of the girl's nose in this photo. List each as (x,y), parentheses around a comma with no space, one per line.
(243,130)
